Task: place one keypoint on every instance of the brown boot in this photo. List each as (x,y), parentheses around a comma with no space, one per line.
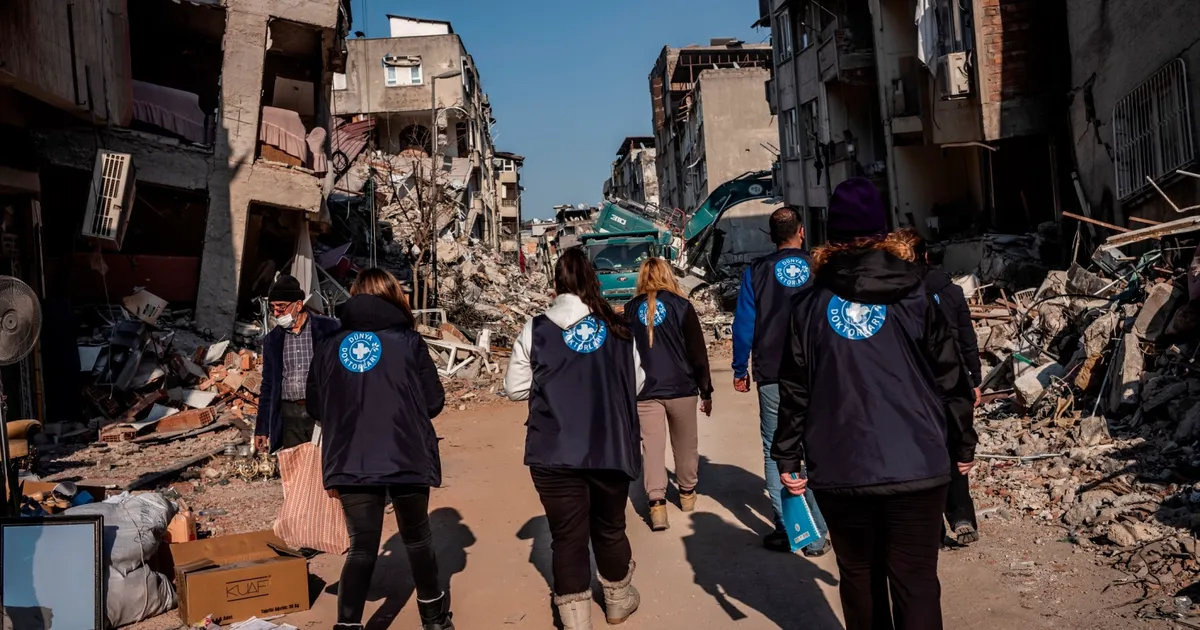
(658,516)
(687,501)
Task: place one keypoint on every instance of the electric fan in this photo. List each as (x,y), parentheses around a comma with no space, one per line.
(20,322)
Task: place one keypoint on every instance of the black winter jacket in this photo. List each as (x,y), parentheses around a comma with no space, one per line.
(954,304)
(270,416)
(676,365)
(873,393)
(374,388)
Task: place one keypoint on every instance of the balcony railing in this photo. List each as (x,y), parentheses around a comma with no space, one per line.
(508,202)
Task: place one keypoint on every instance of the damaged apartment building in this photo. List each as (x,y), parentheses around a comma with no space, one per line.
(952,108)
(431,122)
(195,185)
(712,125)
(175,145)
(634,172)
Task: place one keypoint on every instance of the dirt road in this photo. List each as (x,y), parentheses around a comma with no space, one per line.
(708,569)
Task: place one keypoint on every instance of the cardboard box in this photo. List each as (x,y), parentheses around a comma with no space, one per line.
(237,577)
(30,488)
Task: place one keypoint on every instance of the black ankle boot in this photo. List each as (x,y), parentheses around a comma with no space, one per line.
(435,615)
(347,626)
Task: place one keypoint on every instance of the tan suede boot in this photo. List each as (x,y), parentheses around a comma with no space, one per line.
(575,610)
(621,599)
(687,501)
(658,516)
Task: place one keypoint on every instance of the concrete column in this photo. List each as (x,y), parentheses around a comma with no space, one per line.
(229,194)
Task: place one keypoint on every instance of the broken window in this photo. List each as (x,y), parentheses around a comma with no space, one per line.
(809,113)
(1152,130)
(782,36)
(462,135)
(791,134)
(399,71)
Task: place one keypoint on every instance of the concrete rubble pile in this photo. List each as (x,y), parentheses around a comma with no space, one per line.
(1091,414)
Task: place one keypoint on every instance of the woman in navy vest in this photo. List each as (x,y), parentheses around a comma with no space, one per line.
(875,400)
(675,359)
(578,367)
(374,388)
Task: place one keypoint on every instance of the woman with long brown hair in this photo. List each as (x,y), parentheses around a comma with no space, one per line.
(374,389)
(578,366)
(875,401)
(675,359)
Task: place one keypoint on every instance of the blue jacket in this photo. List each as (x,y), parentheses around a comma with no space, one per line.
(374,388)
(760,321)
(874,397)
(270,420)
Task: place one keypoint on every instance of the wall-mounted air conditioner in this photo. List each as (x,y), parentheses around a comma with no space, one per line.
(110,199)
(954,75)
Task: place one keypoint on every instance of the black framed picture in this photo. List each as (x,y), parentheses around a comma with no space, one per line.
(52,575)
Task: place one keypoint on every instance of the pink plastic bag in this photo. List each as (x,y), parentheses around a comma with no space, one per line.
(309,518)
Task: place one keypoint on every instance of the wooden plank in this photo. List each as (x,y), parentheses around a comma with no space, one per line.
(1079,217)
(149,479)
(1144,221)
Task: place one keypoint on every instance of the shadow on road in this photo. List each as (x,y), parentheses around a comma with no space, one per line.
(392,580)
(741,492)
(730,564)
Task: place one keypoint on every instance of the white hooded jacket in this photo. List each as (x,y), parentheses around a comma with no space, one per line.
(565,312)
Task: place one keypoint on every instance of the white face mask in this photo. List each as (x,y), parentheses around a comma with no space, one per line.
(285,321)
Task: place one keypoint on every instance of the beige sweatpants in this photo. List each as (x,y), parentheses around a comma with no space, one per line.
(679,414)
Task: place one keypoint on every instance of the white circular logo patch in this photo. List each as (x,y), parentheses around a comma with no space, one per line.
(660,312)
(360,351)
(792,272)
(587,336)
(855,321)
(755,189)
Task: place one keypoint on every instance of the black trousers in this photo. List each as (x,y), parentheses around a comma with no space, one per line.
(584,506)
(297,424)
(896,536)
(364,508)
(960,507)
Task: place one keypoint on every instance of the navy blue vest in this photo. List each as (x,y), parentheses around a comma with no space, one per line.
(776,279)
(668,371)
(583,403)
(874,415)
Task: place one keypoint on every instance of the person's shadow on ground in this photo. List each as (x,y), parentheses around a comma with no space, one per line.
(392,581)
(741,492)
(730,564)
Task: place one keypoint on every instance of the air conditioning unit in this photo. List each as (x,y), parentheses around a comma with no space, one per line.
(110,199)
(954,75)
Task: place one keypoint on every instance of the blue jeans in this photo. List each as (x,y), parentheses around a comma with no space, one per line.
(768,415)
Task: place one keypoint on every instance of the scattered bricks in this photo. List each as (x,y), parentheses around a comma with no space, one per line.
(186,420)
(247,362)
(252,381)
(234,381)
(118,433)
(233,360)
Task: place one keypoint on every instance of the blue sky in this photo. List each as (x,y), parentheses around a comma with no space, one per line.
(568,80)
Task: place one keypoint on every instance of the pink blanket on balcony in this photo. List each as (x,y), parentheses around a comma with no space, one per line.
(173,110)
(282,129)
(316,150)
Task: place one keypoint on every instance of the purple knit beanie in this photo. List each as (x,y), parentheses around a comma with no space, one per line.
(856,211)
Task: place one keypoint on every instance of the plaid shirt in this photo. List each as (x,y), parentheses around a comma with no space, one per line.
(297,357)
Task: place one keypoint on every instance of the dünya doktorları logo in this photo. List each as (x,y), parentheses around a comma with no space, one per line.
(792,271)
(587,336)
(360,351)
(855,321)
(660,312)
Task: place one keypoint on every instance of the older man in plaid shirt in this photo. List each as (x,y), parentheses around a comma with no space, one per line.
(283,420)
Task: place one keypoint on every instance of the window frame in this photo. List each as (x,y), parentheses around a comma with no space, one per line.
(1152,131)
(791,133)
(784,44)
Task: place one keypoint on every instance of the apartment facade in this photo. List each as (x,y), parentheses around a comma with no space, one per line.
(674,82)
(1135,112)
(394,81)
(635,172)
(952,115)
(222,167)
(507,167)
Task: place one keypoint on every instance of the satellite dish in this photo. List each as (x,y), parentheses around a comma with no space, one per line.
(20,323)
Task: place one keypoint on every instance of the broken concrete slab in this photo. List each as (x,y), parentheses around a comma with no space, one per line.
(1156,313)
(1093,431)
(1125,375)
(1032,384)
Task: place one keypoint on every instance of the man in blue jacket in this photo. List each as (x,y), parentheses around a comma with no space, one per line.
(760,329)
(283,419)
